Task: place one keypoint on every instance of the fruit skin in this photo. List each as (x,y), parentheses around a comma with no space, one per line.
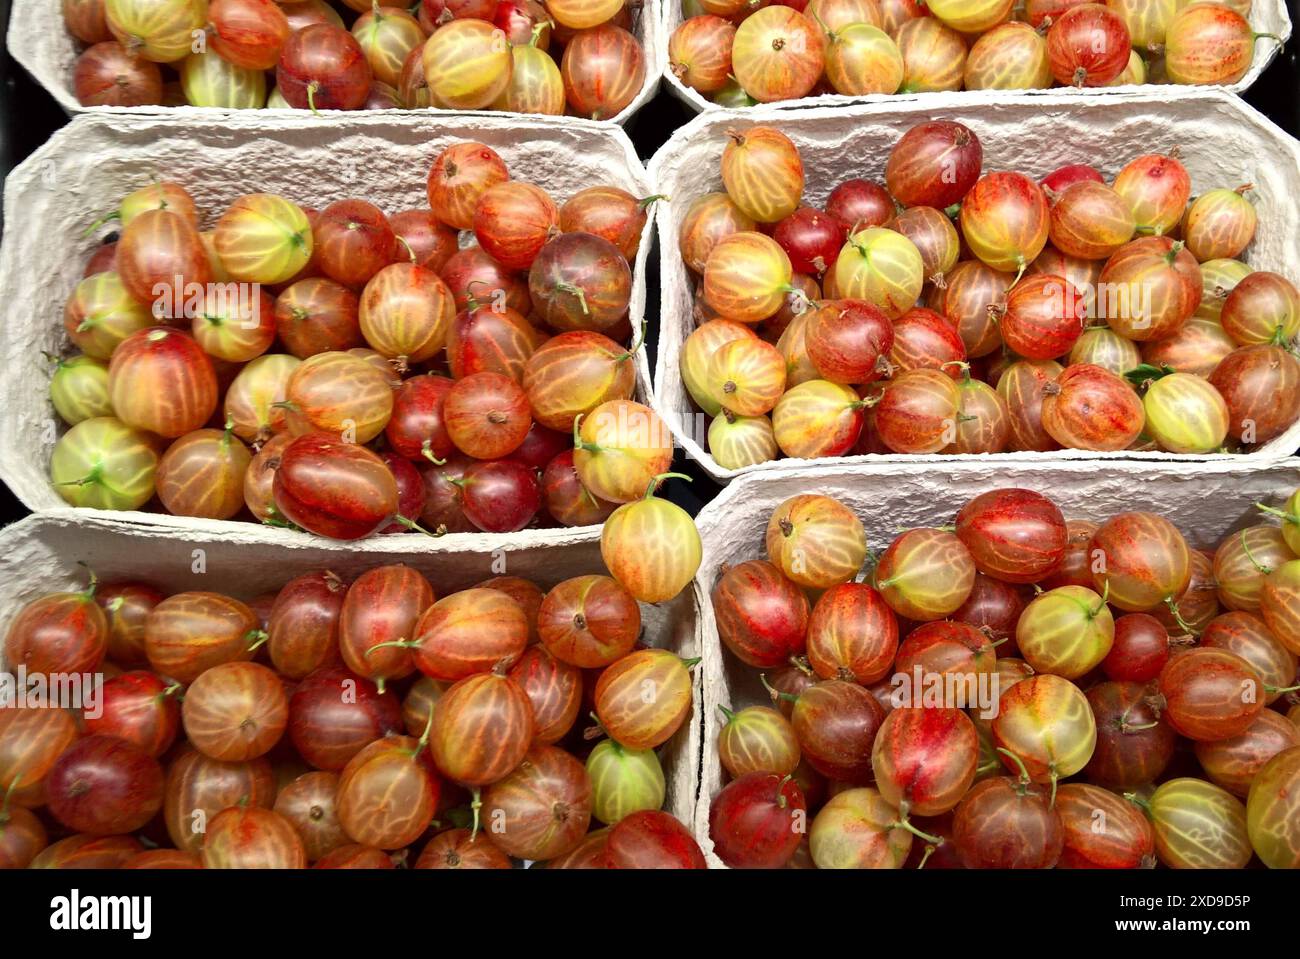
(652,548)
(104,786)
(858,829)
(934,164)
(777,54)
(623,781)
(1005,824)
(649,839)
(1015,535)
(1271,813)
(588,622)
(1197,825)
(762,617)
(924,759)
(1140,560)
(1208,43)
(1210,694)
(1005,220)
(755,821)
(1090,408)
(621,704)
(1124,841)
(762,173)
(1185,414)
(852,633)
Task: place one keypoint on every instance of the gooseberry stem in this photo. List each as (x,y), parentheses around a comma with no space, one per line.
(1024,773)
(775,693)
(397,643)
(903,821)
(654,483)
(727,713)
(255,638)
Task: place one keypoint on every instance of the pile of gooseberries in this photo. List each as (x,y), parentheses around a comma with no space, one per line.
(738,53)
(953,311)
(522,56)
(983,694)
(365,724)
(350,371)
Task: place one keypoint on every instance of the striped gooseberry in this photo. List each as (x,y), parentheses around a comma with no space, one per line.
(1140,561)
(1157,188)
(762,616)
(1185,414)
(1005,220)
(762,173)
(603,69)
(580,281)
(933,54)
(1090,220)
(1209,43)
(882,267)
(235,711)
(777,54)
(817,418)
(816,541)
(643,698)
(746,277)
(852,634)
(1015,535)
(925,574)
(699,52)
(1210,694)
(589,621)
(1011,56)
(1088,46)
(553,687)
(102,463)
(189,633)
(1126,842)
(382,606)
(323,67)
(651,546)
(1198,825)
(862,60)
(202,474)
(1134,742)
(917,412)
(924,759)
(248,837)
(1220,224)
(858,829)
(1270,810)
(339,393)
(1067,631)
(623,781)
(757,739)
(1090,408)
(467,64)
